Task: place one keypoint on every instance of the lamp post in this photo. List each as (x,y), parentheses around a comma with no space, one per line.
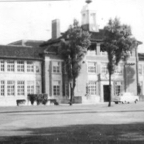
(88,1)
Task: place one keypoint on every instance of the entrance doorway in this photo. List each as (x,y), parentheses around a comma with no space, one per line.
(106,93)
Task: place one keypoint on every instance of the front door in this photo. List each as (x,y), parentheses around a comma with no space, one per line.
(106,93)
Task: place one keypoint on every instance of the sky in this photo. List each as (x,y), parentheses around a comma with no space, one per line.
(32,20)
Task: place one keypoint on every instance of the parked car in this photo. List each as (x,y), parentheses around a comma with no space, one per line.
(126,97)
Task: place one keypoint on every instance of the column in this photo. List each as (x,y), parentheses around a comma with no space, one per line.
(5,88)
(15,82)
(25,66)
(98,48)
(5,66)
(15,66)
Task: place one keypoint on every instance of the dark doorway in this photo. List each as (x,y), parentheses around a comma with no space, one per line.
(106,93)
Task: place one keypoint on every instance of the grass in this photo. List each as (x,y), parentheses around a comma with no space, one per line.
(82,124)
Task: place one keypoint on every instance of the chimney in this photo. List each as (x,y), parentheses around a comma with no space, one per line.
(55,29)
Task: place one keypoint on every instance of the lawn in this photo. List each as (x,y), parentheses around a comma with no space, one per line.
(64,124)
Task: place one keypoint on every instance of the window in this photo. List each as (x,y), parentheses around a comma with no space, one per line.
(30,87)
(20,88)
(140,69)
(92,67)
(38,86)
(118,88)
(92,87)
(20,66)
(37,69)
(30,66)
(92,49)
(10,66)
(10,88)
(2,88)
(103,52)
(56,88)
(118,69)
(104,69)
(56,67)
(2,65)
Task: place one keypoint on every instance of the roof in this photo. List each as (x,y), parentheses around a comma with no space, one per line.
(97,36)
(34,43)
(21,52)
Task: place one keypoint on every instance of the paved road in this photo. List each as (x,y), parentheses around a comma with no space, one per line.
(122,121)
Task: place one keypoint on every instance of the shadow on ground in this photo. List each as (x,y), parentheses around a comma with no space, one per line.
(80,134)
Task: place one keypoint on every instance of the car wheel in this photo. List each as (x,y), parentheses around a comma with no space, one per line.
(136,101)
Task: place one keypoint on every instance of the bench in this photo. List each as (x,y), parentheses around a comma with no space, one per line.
(53,101)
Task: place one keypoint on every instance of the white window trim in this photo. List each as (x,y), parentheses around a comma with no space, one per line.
(94,87)
(19,87)
(3,88)
(56,85)
(95,67)
(14,92)
(58,66)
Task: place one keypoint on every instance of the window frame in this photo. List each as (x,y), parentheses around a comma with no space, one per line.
(10,66)
(92,87)
(30,87)
(20,66)
(2,88)
(30,66)
(56,88)
(92,69)
(21,88)
(2,65)
(10,88)
(56,67)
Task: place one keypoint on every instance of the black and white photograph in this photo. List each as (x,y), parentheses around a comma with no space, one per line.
(71,71)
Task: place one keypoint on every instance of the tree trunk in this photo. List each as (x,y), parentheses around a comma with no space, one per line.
(72,91)
(125,87)
(110,90)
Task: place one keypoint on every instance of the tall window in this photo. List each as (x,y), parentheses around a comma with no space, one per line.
(30,66)
(91,67)
(56,67)
(30,87)
(140,69)
(56,88)
(10,88)
(2,88)
(20,88)
(2,65)
(20,66)
(38,87)
(10,66)
(118,88)
(118,69)
(103,52)
(92,87)
(104,68)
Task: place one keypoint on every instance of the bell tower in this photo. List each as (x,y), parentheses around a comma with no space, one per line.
(89,18)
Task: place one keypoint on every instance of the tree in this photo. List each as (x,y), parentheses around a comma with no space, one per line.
(118,43)
(73,49)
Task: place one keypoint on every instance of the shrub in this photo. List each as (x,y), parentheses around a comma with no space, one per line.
(39,98)
(44,99)
(32,98)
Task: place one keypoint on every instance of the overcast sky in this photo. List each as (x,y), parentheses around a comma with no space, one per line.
(32,20)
